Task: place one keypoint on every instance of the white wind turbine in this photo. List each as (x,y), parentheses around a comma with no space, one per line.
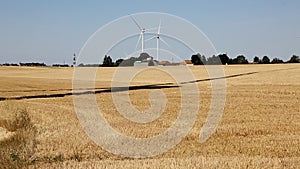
(143,30)
(158,38)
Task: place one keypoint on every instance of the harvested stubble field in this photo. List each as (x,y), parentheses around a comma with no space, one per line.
(260,127)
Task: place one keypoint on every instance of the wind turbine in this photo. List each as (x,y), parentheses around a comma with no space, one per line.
(158,38)
(143,30)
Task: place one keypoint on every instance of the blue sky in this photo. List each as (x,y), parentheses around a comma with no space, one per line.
(51,31)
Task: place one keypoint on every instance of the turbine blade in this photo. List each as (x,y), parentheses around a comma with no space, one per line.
(158,31)
(149,29)
(150,38)
(164,42)
(136,22)
(137,44)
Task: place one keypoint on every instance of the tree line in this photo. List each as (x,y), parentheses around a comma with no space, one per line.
(198,59)
(34,64)
(108,61)
(24,64)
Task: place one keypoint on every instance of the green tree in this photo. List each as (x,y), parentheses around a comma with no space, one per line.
(151,63)
(294,59)
(240,59)
(198,59)
(277,60)
(265,60)
(128,62)
(203,60)
(107,61)
(224,58)
(214,60)
(119,61)
(256,59)
(143,56)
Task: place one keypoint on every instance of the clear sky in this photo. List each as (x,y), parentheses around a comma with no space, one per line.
(51,31)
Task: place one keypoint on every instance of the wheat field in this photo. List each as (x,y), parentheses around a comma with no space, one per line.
(260,126)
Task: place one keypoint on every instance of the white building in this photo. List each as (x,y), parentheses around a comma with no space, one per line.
(141,63)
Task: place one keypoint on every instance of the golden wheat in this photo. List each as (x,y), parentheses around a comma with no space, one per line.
(259,129)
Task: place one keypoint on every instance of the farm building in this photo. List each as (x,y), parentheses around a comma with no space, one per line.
(141,63)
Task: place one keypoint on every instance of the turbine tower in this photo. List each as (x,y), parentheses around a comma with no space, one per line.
(157,41)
